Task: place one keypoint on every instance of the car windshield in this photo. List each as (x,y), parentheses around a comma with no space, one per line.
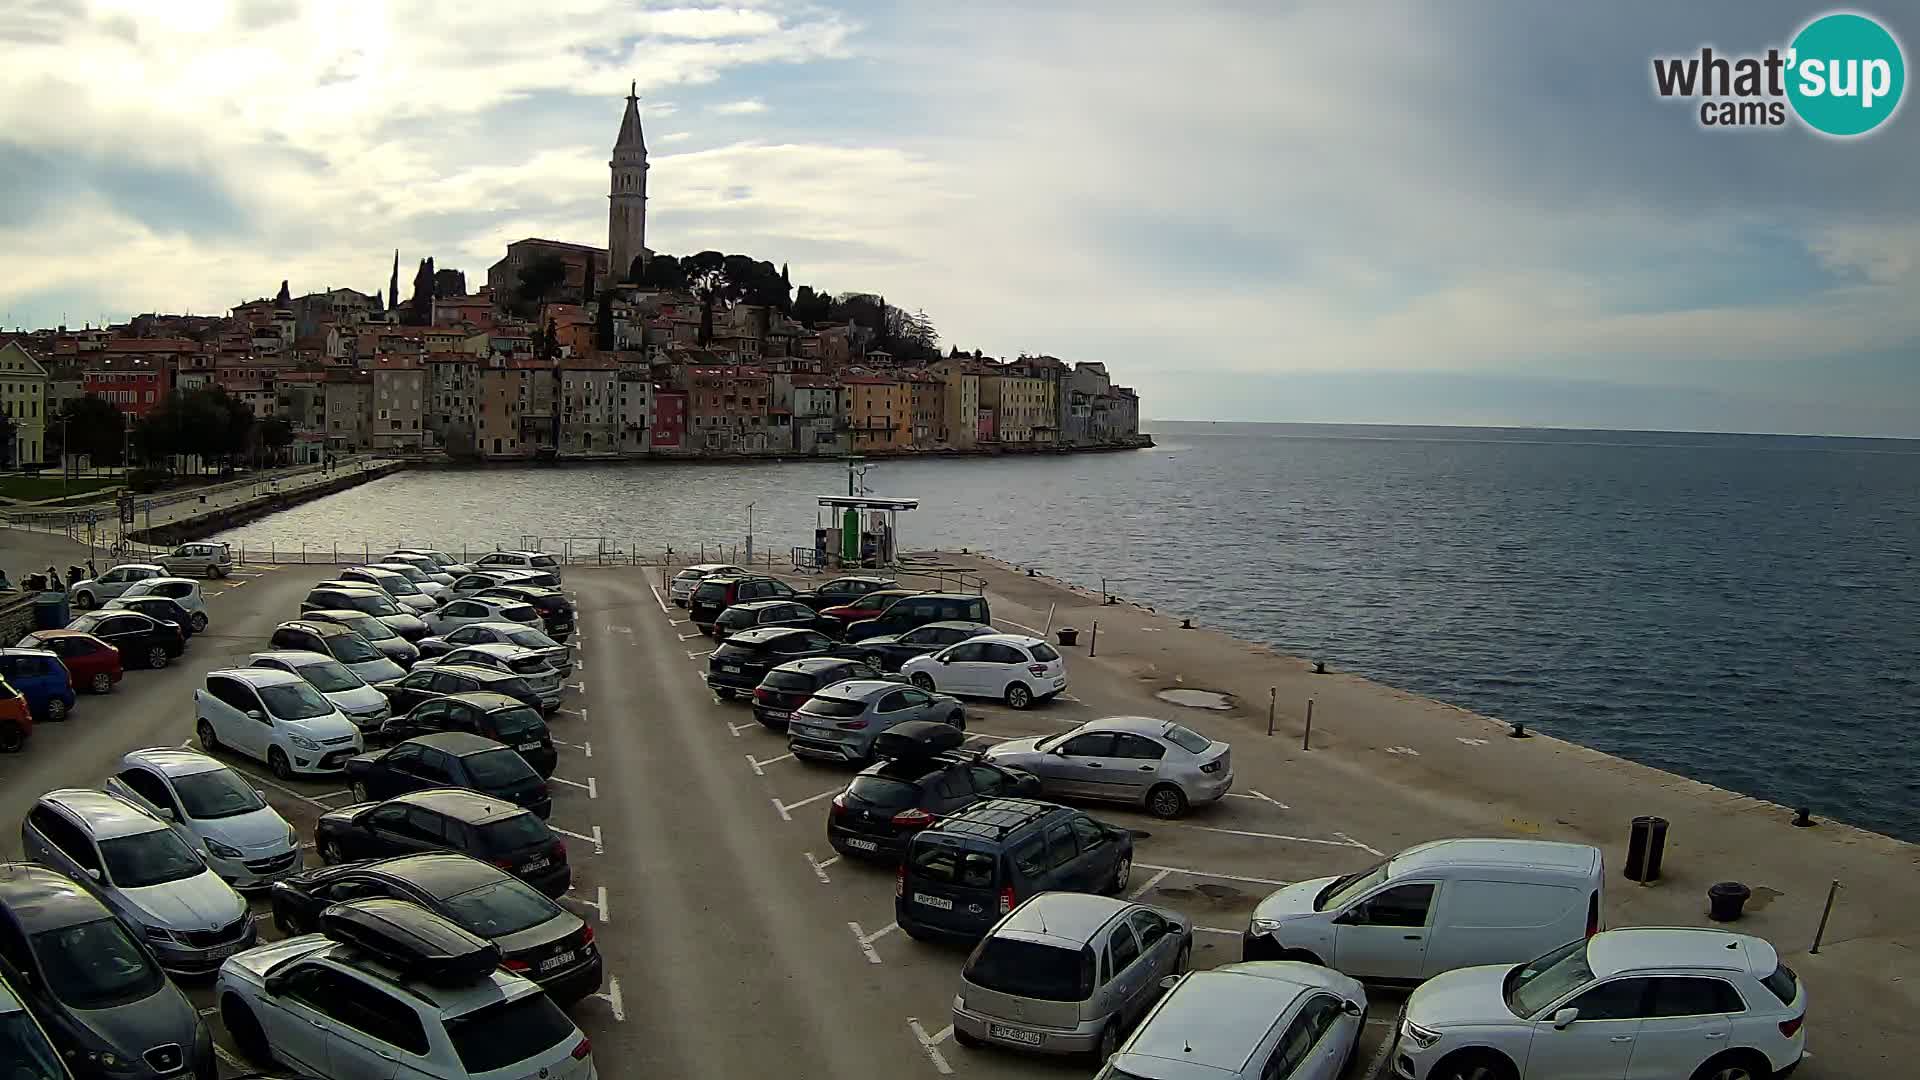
(1052,741)
(373,604)
(149,858)
(440,558)
(294,701)
(1536,984)
(1187,739)
(883,792)
(370,628)
(508,1032)
(95,965)
(833,706)
(216,794)
(86,624)
(330,677)
(518,725)
(737,650)
(710,590)
(531,639)
(351,649)
(1029,969)
(26,1050)
(504,907)
(498,768)
(689,575)
(737,617)
(1344,889)
(411,573)
(514,833)
(787,680)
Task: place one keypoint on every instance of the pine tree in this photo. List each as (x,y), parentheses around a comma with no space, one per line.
(285,297)
(393,284)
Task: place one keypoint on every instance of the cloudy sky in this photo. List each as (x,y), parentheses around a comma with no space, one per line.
(1446,213)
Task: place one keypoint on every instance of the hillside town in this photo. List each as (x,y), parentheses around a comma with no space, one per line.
(567,351)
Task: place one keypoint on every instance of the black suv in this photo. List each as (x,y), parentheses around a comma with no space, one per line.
(556,611)
(961,875)
(889,802)
(739,663)
(426,683)
(448,819)
(788,686)
(716,594)
(449,759)
(771,613)
(505,720)
(918,610)
(842,590)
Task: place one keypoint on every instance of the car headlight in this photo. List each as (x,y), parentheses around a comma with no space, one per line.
(1265,926)
(215,847)
(293,837)
(1420,1037)
(160,933)
(303,742)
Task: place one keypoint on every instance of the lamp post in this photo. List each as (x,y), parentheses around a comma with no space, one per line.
(749,534)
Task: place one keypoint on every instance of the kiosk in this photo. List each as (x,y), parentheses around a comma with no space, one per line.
(857,531)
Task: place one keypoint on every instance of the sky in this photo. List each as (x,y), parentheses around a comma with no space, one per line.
(1471,213)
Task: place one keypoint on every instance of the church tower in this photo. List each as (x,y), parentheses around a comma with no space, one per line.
(627,203)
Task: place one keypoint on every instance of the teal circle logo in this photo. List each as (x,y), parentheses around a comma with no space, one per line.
(1847,73)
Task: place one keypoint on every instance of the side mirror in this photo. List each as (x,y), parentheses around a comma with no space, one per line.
(166,813)
(262,794)
(256,714)
(1564,1017)
(1169,982)
(93,872)
(1352,1008)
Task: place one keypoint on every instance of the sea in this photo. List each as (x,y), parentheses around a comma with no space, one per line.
(1740,609)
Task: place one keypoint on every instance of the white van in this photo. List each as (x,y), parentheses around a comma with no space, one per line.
(1435,907)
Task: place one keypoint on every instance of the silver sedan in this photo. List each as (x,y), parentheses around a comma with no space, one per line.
(840,722)
(1158,764)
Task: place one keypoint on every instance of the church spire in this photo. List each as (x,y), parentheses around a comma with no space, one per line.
(630,135)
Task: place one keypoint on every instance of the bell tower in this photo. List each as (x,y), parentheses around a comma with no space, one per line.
(627,201)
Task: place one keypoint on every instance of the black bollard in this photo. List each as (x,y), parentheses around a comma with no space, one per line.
(1646,849)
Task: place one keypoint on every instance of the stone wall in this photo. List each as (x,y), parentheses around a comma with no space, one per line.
(16,616)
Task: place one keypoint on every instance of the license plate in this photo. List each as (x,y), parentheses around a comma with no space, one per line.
(731,669)
(804,729)
(537,864)
(558,960)
(778,714)
(1013,1034)
(223,951)
(1059,684)
(940,902)
(528,746)
(869,845)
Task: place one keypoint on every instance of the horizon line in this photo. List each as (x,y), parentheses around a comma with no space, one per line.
(1533,427)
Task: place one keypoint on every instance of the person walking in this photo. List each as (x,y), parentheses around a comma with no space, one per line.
(53,581)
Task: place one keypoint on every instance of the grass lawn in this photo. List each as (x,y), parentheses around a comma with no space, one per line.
(36,488)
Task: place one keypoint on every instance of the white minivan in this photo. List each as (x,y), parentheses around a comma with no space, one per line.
(276,717)
(1435,907)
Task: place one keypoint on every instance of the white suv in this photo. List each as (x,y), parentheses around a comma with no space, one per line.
(518,560)
(1651,1003)
(276,717)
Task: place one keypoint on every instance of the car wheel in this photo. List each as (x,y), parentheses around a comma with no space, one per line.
(1109,1044)
(199,622)
(331,852)
(83,600)
(102,683)
(360,792)
(1122,870)
(208,740)
(156,657)
(12,739)
(1736,1065)
(878,663)
(1184,962)
(971,1042)
(1475,1065)
(723,693)
(923,680)
(1019,697)
(1166,801)
(278,763)
(56,709)
(958,718)
(248,1037)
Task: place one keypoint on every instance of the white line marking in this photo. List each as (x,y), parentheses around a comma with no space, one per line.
(209,1010)
(931,1046)
(860,938)
(591,787)
(578,684)
(736,729)
(994,738)
(580,712)
(579,665)
(231,1058)
(283,788)
(657,600)
(1209,874)
(1463,740)
(583,747)
(1375,852)
(1023,626)
(598,847)
(691,655)
(690,637)
(1219,930)
(619,629)
(882,932)
(1406,751)
(1255,795)
(334,794)
(604,917)
(1156,879)
(820,868)
(759,766)
(1269,798)
(233,586)
(612,998)
(784,808)
(1270,836)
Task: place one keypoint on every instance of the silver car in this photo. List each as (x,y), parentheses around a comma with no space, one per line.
(215,810)
(1158,764)
(140,868)
(529,664)
(1265,1020)
(840,722)
(436,591)
(404,592)
(1068,973)
(336,681)
(558,656)
(447,563)
(336,595)
(202,558)
(378,634)
(688,579)
(422,563)
(92,592)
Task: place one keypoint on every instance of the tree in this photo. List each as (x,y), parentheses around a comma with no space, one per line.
(393,284)
(707,279)
(285,297)
(420,307)
(449,283)
(547,344)
(276,434)
(811,307)
(786,291)
(541,277)
(662,272)
(94,428)
(7,431)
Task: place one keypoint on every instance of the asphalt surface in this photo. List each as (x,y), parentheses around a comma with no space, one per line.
(735,943)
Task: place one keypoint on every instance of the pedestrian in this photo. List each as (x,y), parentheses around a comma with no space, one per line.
(5,585)
(53,581)
(91,572)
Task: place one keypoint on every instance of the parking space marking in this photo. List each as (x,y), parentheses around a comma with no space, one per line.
(1023,626)
(657,600)
(619,629)
(231,587)
(993,738)
(578,684)
(584,747)
(598,905)
(1266,835)
(787,808)
(759,767)
(866,943)
(598,847)
(691,655)
(1210,874)
(690,637)
(820,868)
(283,789)
(1219,930)
(334,794)
(1158,877)
(931,1045)
(612,998)
(591,787)
(232,1059)
(580,712)
(1375,852)
(736,729)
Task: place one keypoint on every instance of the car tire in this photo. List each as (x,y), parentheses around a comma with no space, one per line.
(1108,1045)
(56,709)
(1122,873)
(248,1037)
(198,622)
(278,764)
(922,680)
(958,718)
(208,740)
(878,663)
(101,683)
(1184,962)
(12,739)
(1166,801)
(971,1042)
(331,852)
(723,693)
(157,657)
(1735,1065)
(1475,1065)
(1018,696)
(360,794)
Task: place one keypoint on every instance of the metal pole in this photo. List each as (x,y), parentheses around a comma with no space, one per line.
(1306,737)
(1272,692)
(1094,638)
(1049,628)
(1826,911)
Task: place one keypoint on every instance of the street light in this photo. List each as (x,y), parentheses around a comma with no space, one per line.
(750,534)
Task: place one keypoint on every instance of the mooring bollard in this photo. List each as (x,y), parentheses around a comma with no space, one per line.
(1824,912)
(1272,693)
(1306,736)
(1094,637)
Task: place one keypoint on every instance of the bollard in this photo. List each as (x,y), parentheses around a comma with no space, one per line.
(1186,624)
(1319,667)
(1093,638)
(1646,848)
(1306,736)
(1803,819)
(1272,691)
(1518,731)
(1824,912)
(273,551)
(1049,626)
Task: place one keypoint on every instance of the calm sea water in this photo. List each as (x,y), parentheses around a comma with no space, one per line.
(1740,609)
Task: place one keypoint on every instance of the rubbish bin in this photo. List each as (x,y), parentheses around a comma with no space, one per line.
(1646,847)
(1725,900)
(50,611)
(1068,635)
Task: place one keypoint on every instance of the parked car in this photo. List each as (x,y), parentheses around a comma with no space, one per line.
(886,652)
(1013,668)
(538,561)
(449,759)
(536,937)
(392,990)
(346,647)
(473,581)
(404,592)
(91,662)
(684,582)
(1435,907)
(962,875)
(39,675)
(432,680)
(716,594)
(839,723)
(444,561)
(789,685)
(490,829)
(367,601)
(23,1042)
(338,683)
(862,608)
(275,717)
(424,563)
(141,639)
(1266,1020)
(157,608)
(740,663)
(378,634)
(474,609)
(1656,1002)
(436,591)
(843,590)
(556,611)
(920,609)
(202,558)
(558,656)
(93,985)
(1158,764)
(217,812)
(1069,973)
(768,613)
(16,719)
(140,868)
(92,592)
(494,716)
(530,666)
(183,591)
(922,777)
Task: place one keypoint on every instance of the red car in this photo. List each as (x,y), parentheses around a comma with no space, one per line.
(16,719)
(867,607)
(92,664)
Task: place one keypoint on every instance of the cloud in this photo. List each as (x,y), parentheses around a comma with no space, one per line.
(738,108)
(674,137)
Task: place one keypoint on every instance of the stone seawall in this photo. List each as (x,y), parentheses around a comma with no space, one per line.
(193,526)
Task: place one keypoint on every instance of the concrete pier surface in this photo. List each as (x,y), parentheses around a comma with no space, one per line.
(738,944)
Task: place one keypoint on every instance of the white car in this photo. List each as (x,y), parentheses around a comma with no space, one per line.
(404,592)
(447,563)
(276,717)
(518,560)
(1264,1020)
(559,656)
(476,609)
(337,682)
(1013,668)
(215,810)
(92,592)
(183,591)
(542,677)
(436,591)
(1649,1003)
(422,563)
(680,589)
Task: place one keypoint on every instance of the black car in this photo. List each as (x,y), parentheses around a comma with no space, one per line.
(927,778)
(788,686)
(92,985)
(920,609)
(160,609)
(760,613)
(556,611)
(961,875)
(739,663)
(843,590)
(427,683)
(886,652)
(505,720)
(449,759)
(536,937)
(449,819)
(143,640)
(718,593)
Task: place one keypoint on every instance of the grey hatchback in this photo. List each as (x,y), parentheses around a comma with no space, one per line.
(840,722)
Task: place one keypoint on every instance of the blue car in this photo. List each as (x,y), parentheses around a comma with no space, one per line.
(42,678)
